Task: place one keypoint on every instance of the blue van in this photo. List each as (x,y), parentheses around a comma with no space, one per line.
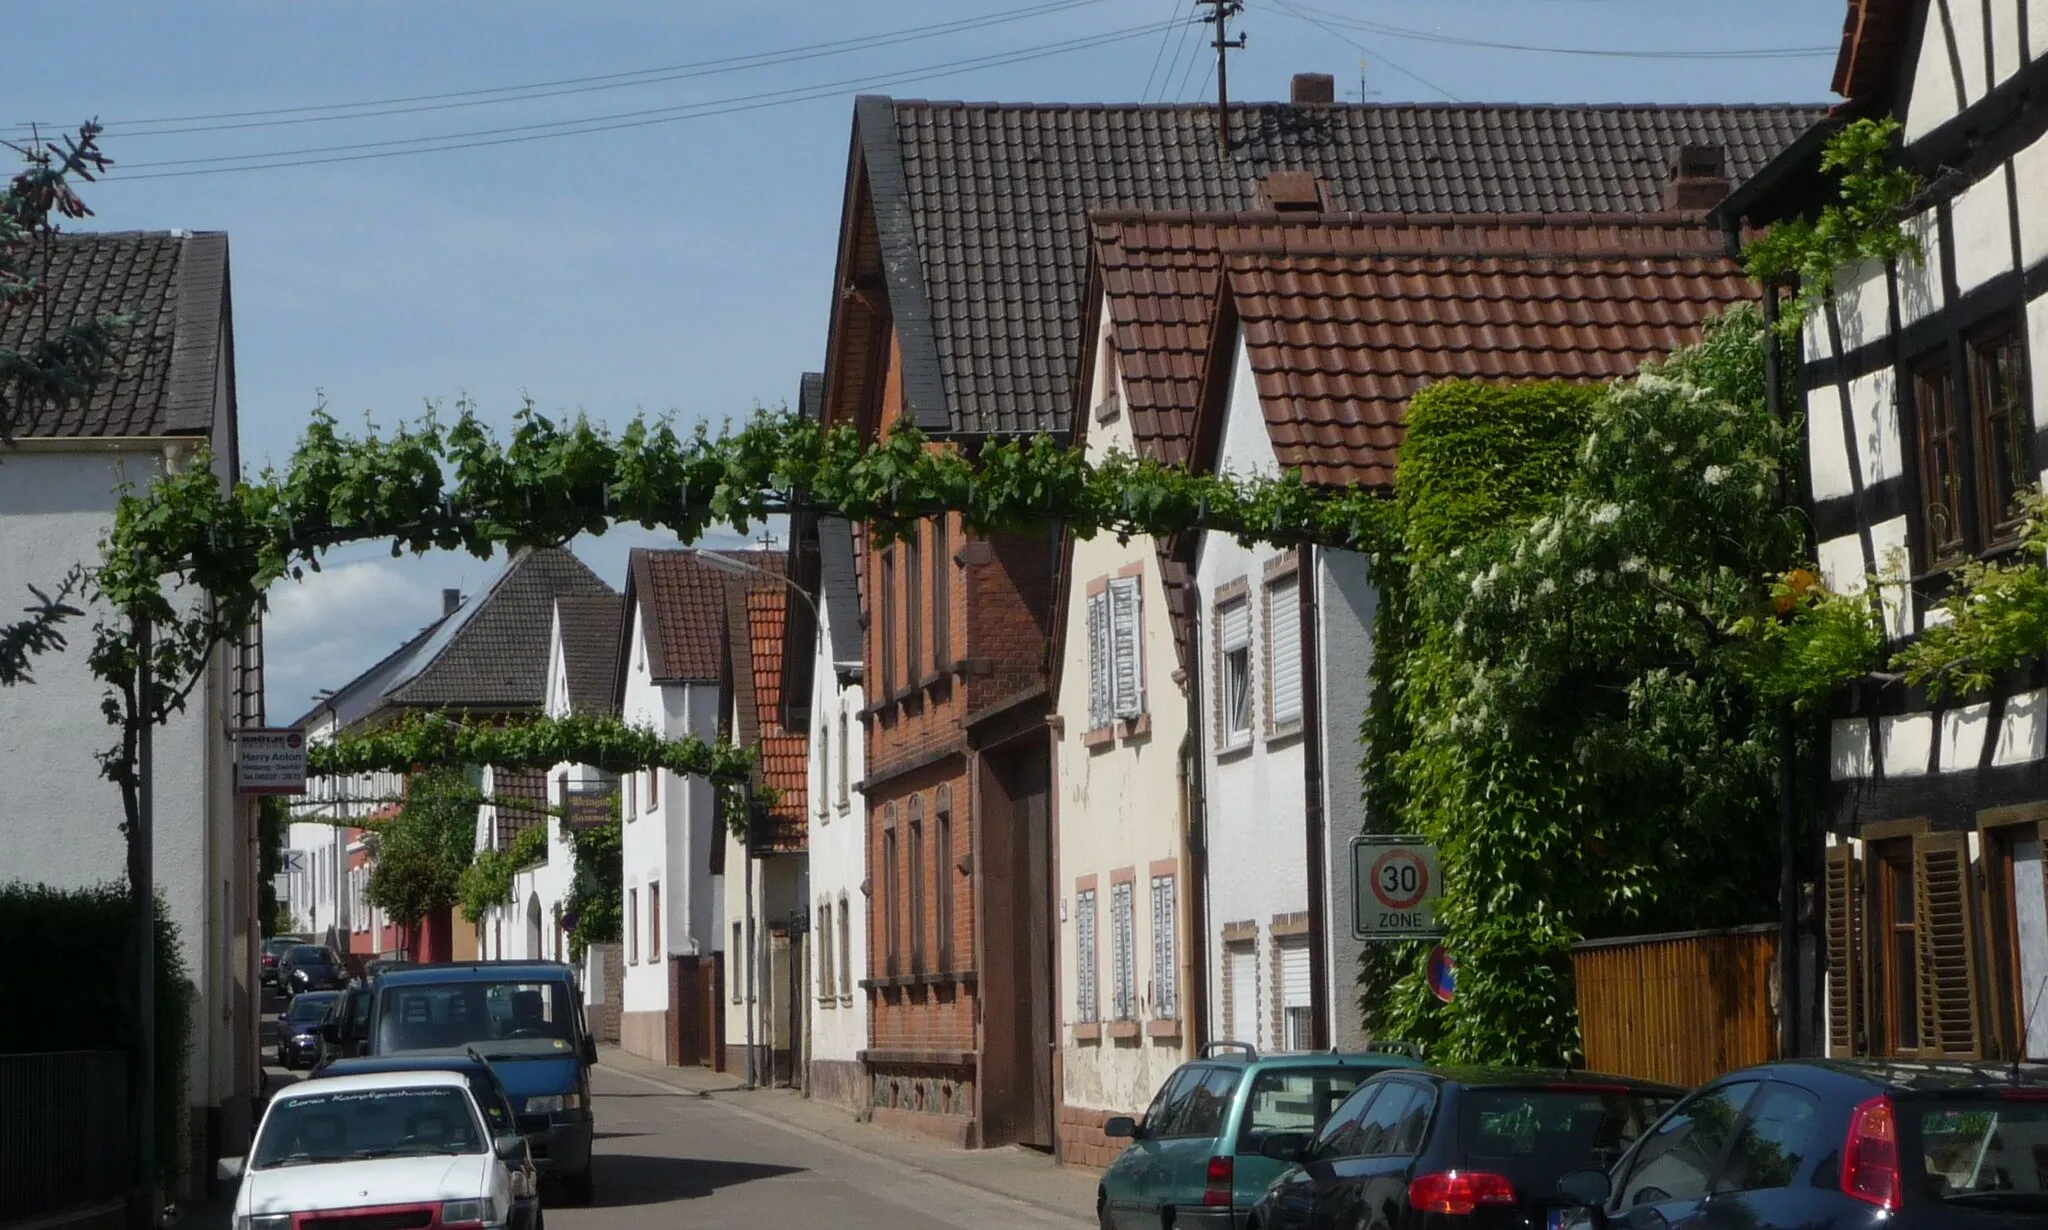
(526,1019)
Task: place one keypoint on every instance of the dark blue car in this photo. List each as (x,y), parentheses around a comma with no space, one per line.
(526,1019)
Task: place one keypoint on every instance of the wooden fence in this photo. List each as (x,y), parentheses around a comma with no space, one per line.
(1680,1008)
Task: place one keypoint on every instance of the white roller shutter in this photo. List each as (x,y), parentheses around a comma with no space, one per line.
(1234,624)
(1295,985)
(1283,622)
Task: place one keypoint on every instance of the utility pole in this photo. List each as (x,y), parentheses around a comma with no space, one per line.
(142,896)
(1221,11)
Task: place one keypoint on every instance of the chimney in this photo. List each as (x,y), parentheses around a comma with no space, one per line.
(1291,192)
(1313,89)
(1699,180)
(451,600)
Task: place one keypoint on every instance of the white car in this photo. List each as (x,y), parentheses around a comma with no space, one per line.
(411,1149)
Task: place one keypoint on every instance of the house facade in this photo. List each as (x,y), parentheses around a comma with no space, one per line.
(1923,404)
(1129,1012)
(822,692)
(766,859)
(169,403)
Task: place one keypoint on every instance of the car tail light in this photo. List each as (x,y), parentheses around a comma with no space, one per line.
(1221,1183)
(1459,1192)
(1870,1159)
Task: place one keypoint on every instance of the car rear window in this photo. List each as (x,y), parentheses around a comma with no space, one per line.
(1294,1100)
(1987,1151)
(1555,1123)
(306,954)
(311,1007)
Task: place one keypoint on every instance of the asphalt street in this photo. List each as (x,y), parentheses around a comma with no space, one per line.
(670,1158)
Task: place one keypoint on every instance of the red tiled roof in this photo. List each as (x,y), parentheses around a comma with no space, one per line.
(1346,317)
(682,603)
(1874,34)
(785,757)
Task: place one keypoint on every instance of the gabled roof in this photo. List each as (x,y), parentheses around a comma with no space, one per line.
(681,602)
(494,653)
(167,372)
(1346,317)
(973,217)
(592,627)
(785,755)
(361,696)
(520,801)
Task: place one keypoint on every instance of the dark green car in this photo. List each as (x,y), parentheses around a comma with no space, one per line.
(1194,1160)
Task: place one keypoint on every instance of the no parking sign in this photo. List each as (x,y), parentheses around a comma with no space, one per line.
(1395,885)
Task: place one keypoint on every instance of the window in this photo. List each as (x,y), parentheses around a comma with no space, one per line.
(845,949)
(845,754)
(1380,1127)
(824,761)
(913,607)
(1169,1109)
(654,922)
(2019,939)
(1234,672)
(1123,979)
(942,596)
(891,900)
(632,784)
(1773,1143)
(821,956)
(653,789)
(739,955)
(1116,677)
(887,629)
(1283,654)
(753,954)
(1086,978)
(1975,460)
(1898,948)
(942,875)
(1678,1159)
(1339,1136)
(1201,1116)
(916,884)
(1557,1124)
(1296,1099)
(633,925)
(1165,963)
(1296,1006)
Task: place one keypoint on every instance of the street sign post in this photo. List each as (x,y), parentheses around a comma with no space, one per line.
(1395,886)
(270,762)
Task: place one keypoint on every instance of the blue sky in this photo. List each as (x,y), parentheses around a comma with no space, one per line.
(683,265)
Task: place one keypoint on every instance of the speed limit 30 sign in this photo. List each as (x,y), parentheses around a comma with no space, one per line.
(1395,884)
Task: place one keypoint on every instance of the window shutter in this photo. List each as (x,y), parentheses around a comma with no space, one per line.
(1121,937)
(1845,952)
(1100,650)
(1949,1025)
(1165,970)
(1084,958)
(1283,622)
(1295,984)
(1125,629)
(1234,624)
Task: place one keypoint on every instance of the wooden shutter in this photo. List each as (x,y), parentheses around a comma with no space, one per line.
(1949,1022)
(1085,1010)
(1165,967)
(1846,1006)
(1122,945)
(1100,651)
(1127,681)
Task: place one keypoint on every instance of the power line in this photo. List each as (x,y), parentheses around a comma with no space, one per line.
(1287,8)
(1145,94)
(484,96)
(1173,65)
(520,134)
(1427,36)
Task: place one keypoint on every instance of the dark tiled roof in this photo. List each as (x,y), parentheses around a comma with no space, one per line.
(497,658)
(167,370)
(979,211)
(521,797)
(592,628)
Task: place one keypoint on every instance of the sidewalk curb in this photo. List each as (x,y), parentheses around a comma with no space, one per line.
(769,1117)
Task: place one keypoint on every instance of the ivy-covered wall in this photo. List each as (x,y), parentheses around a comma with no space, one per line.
(1563,702)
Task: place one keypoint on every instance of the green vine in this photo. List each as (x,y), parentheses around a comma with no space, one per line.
(1996,619)
(540,743)
(487,882)
(595,908)
(1863,223)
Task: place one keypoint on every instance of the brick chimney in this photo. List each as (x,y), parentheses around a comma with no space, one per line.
(1313,89)
(1291,192)
(451,600)
(1699,179)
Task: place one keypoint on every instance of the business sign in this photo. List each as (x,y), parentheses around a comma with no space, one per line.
(294,860)
(270,762)
(1395,885)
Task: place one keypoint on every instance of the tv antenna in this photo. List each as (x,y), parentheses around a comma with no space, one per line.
(1364,94)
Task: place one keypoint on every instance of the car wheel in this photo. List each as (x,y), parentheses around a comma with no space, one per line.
(1102,1218)
(579,1187)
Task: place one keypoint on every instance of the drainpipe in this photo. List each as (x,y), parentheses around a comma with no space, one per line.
(1323,1011)
(1195,841)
